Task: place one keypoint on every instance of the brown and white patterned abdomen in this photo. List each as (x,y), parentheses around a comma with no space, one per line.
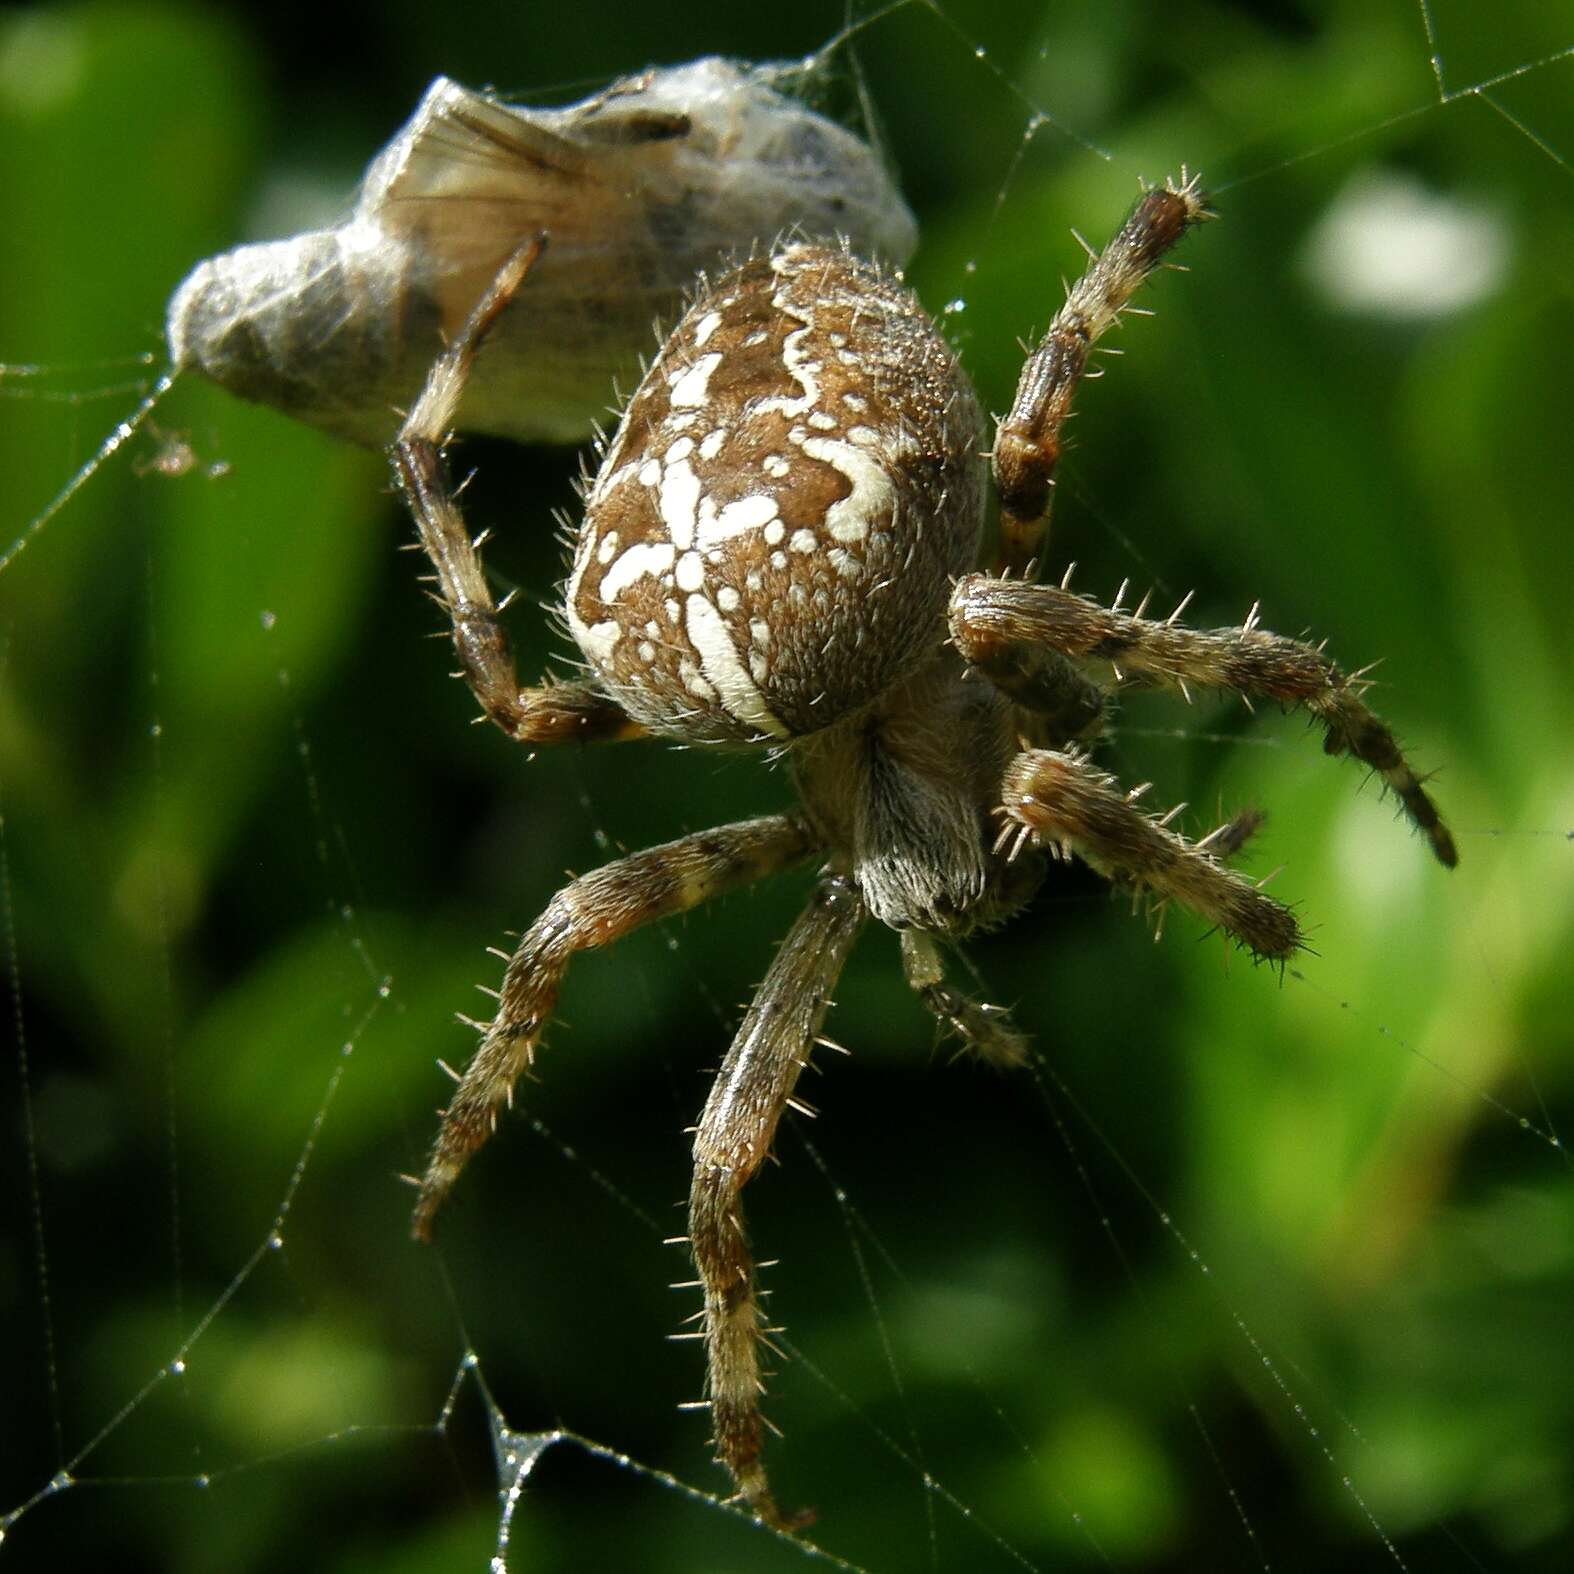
(770,541)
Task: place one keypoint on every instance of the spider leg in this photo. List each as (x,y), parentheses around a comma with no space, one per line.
(553,712)
(1057,702)
(1060,801)
(592,911)
(1028,440)
(1225,841)
(734,1135)
(991,617)
(985,1029)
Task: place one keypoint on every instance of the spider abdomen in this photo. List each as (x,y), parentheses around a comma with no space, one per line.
(770,541)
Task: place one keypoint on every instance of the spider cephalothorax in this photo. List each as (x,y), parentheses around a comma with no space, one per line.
(774,553)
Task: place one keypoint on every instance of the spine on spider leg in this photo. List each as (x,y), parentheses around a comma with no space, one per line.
(1063,802)
(1027,442)
(734,1136)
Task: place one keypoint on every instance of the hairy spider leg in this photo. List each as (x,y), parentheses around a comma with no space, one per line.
(746,1101)
(989,617)
(1028,438)
(553,711)
(1059,800)
(593,911)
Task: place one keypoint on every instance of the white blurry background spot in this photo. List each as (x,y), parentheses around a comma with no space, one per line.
(1389,246)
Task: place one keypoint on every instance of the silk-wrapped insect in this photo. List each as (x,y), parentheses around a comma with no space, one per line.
(664,175)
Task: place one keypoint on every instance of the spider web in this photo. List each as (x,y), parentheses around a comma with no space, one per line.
(1249,1272)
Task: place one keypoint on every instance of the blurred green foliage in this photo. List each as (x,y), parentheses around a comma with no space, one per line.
(1243,1238)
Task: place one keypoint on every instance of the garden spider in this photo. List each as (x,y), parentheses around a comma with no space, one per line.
(775,552)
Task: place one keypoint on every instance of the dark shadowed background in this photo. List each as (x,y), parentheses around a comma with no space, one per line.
(1253,1272)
